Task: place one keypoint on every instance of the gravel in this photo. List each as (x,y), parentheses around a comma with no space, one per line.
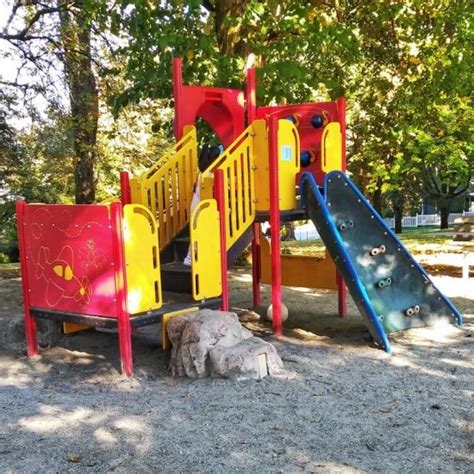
(340,406)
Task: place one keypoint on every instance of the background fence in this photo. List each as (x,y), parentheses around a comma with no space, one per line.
(425,219)
(308,231)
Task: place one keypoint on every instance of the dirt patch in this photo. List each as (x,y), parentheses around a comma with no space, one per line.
(341,406)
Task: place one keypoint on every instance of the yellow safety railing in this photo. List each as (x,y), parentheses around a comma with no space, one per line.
(237,164)
(167,188)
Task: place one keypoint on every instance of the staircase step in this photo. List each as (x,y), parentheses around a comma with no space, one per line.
(181,245)
(285,216)
(176,277)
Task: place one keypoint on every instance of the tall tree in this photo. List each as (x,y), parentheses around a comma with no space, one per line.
(51,41)
(75,36)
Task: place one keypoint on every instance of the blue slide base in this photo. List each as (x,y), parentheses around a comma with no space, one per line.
(390,289)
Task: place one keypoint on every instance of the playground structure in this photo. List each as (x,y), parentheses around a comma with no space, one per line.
(108,265)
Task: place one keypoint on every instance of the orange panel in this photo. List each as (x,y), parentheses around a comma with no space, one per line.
(300,270)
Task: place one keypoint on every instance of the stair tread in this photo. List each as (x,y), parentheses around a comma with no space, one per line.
(176,267)
(285,216)
(184,240)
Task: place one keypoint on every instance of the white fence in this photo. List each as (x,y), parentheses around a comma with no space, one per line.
(425,219)
(308,231)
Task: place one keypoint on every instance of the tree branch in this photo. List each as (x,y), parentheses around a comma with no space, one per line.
(22,35)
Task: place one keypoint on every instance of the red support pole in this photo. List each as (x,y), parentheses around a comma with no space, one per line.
(341,287)
(341,116)
(219,195)
(30,321)
(178,97)
(251,95)
(125,191)
(123,317)
(341,295)
(275,226)
(256,265)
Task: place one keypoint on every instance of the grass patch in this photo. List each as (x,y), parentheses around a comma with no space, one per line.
(9,266)
(421,240)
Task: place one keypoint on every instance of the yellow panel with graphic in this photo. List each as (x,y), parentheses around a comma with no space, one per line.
(166,189)
(206,250)
(331,147)
(142,258)
(288,164)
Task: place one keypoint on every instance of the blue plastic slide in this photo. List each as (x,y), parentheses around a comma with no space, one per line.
(390,289)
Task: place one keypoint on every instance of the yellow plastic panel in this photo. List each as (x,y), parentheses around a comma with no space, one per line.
(166,189)
(237,165)
(165,341)
(299,270)
(331,147)
(142,258)
(260,147)
(288,163)
(206,250)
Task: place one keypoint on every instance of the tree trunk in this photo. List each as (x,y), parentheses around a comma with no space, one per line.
(230,37)
(398,203)
(444,210)
(377,200)
(398,211)
(76,41)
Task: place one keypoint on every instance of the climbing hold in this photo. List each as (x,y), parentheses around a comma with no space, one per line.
(385,282)
(346,225)
(305,158)
(377,250)
(317,121)
(291,118)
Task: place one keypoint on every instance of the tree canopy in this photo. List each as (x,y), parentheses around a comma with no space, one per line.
(104,72)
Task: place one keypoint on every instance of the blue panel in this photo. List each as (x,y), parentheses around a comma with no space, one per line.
(388,286)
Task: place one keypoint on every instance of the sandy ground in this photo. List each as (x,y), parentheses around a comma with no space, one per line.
(341,405)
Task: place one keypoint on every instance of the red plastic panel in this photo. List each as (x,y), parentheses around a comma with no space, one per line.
(69,258)
(222,109)
(310,137)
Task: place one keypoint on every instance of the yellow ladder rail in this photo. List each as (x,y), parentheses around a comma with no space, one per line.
(238,166)
(166,189)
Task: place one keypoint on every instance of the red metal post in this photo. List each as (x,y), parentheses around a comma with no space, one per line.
(341,296)
(123,317)
(256,265)
(341,287)
(341,116)
(125,191)
(251,95)
(275,226)
(30,321)
(178,97)
(219,195)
